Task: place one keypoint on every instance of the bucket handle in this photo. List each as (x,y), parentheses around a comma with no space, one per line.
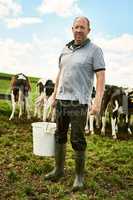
(47,126)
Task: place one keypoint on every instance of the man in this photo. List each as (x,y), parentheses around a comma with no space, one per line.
(78,62)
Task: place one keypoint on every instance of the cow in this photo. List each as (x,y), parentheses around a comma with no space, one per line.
(128,109)
(20,88)
(48,111)
(90,118)
(43,109)
(115,102)
(39,102)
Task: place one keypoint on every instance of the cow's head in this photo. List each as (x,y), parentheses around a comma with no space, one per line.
(49,87)
(40,85)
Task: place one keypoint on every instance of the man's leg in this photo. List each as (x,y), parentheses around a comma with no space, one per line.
(78,120)
(62,122)
(58,171)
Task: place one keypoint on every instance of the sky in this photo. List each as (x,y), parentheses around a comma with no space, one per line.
(34,32)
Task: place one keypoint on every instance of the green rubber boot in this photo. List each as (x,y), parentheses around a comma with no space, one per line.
(58,171)
(79,169)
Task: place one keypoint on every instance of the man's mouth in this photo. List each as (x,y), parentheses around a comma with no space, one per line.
(79,36)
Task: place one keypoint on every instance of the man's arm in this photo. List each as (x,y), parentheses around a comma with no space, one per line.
(55,88)
(100,85)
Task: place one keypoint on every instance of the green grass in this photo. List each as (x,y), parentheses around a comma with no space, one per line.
(108,175)
(109,165)
(4,86)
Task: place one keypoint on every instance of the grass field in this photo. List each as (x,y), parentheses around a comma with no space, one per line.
(108,175)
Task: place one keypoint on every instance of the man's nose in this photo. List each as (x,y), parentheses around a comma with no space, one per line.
(78,29)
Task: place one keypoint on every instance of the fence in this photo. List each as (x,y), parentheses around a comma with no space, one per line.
(5,97)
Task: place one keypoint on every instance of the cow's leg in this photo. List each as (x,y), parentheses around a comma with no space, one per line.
(13,106)
(39,109)
(97,118)
(53,115)
(39,113)
(27,107)
(113,125)
(37,106)
(103,125)
(129,131)
(35,111)
(128,117)
(117,122)
(92,124)
(114,120)
(44,113)
(20,102)
(45,110)
(116,128)
(87,120)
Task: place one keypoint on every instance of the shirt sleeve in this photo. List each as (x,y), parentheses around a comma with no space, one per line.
(59,61)
(98,60)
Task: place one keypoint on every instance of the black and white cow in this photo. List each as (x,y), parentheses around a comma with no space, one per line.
(39,101)
(48,111)
(125,116)
(43,109)
(115,102)
(20,87)
(89,127)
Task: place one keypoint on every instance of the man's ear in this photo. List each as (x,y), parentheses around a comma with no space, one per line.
(72,29)
(89,30)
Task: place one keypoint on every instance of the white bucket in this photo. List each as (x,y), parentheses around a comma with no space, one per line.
(44,138)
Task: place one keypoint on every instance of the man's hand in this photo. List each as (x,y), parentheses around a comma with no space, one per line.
(95,108)
(100,83)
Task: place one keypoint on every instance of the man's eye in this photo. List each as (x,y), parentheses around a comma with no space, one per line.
(81,27)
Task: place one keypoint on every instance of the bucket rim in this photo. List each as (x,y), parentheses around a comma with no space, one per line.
(39,124)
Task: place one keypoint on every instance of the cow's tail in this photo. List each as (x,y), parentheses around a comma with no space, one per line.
(24,105)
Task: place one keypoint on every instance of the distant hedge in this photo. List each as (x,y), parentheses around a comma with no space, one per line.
(5,78)
(8,77)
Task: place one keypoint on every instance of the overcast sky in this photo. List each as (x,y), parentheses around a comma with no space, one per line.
(33,33)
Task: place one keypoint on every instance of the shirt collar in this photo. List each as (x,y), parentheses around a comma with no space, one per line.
(71,44)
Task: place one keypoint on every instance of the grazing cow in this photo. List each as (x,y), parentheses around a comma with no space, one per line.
(43,101)
(20,87)
(115,102)
(128,109)
(118,104)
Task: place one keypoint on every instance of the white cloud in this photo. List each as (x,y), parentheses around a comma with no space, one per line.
(22,21)
(37,58)
(9,8)
(118,56)
(10,11)
(40,57)
(59,7)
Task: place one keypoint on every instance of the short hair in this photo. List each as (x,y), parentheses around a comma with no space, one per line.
(87,20)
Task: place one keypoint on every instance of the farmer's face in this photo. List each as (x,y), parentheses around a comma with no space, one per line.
(80,30)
